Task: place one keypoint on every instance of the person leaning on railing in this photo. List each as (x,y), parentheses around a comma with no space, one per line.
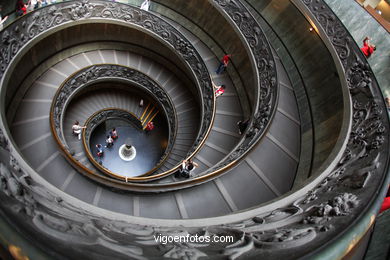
(186,167)
(242,125)
(21,8)
(77,128)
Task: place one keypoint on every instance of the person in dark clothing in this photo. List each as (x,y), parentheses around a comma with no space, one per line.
(223,63)
(21,8)
(109,141)
(100,151)
(114,134)
(242,125)
(186,167)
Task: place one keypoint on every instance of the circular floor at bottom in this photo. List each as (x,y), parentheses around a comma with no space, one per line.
(150,147)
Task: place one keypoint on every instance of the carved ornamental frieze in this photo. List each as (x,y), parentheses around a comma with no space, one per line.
(89,75)
(108,72)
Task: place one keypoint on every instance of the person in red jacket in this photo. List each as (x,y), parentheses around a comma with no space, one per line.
(223,63)
(368,48)
(149,127)
(386,202)
(21,8)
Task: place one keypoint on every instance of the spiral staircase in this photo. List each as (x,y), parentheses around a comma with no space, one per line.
(304,180)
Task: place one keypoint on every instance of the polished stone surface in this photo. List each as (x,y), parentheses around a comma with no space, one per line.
(361,24)
(150,147)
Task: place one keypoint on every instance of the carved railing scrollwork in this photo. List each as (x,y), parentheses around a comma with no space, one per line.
(108,72)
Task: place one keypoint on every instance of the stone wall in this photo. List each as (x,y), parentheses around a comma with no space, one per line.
(317,70)
(360,24)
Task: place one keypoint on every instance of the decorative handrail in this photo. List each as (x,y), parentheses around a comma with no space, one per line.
(108,72)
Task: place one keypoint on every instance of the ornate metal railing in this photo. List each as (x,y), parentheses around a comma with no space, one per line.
(108,72)
(325,219)
(263,111)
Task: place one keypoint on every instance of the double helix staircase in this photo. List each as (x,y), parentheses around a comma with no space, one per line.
(31,131)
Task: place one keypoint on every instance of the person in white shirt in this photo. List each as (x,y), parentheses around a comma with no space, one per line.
(77,128)
(114,134)
(109,141)
(31,5)
(145,5)
(2,20)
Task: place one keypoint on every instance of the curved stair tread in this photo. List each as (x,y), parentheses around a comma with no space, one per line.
(36,128)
